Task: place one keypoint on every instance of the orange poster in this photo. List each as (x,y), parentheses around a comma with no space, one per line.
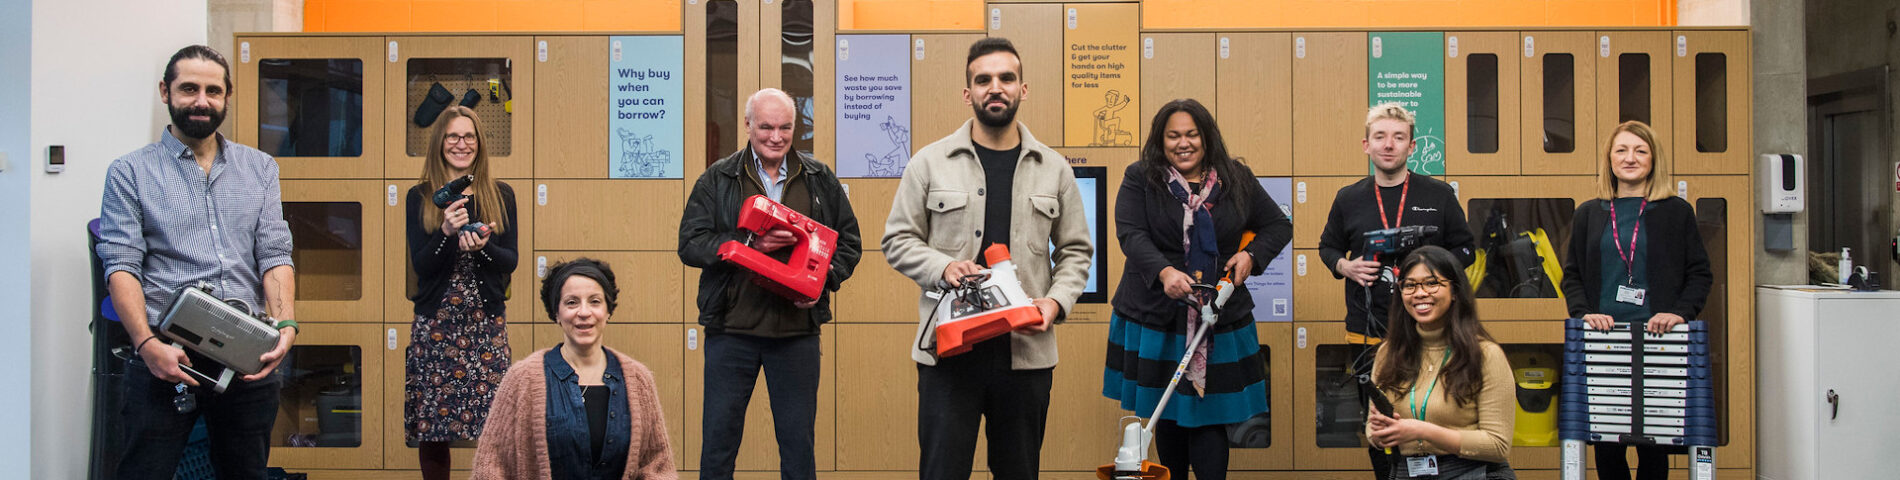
(1101,73)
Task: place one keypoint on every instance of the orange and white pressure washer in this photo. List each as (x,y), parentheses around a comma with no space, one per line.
(985,305)
(800,278)
(1131,459)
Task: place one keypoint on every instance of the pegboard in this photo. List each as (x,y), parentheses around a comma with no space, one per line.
(459,75)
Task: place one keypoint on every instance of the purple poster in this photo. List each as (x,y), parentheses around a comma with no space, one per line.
(873,105)
(1273,289)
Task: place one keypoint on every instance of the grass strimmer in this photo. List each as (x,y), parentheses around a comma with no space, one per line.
(1131,459)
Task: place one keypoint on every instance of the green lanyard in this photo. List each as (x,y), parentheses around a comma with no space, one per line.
(1419,413)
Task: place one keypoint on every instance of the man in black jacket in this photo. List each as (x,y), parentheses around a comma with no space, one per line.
(748,327)
(1390,198)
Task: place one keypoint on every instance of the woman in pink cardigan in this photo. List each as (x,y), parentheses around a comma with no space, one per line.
(578,410)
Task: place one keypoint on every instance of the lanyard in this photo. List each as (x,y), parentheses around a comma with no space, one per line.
(1616,239)
(1417,411)
(1403,192)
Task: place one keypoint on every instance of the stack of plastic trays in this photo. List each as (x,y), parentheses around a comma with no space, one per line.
(1625,386)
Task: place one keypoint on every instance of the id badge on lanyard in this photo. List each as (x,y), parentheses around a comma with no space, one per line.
(1421,466)
(1627,292)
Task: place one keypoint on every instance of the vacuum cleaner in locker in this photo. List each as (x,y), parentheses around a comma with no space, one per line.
(1629,387)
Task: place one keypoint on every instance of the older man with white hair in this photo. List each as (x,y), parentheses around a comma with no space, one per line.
(747,327)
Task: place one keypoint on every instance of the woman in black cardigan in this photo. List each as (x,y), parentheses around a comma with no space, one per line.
(458,348)
(1180,216)
(1635,256)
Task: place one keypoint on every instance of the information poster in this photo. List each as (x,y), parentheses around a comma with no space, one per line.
(1101,73)
(873,105)
(1272,289)
(645,127)
(1409,68)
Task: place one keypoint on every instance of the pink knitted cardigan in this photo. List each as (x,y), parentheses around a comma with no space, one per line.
(514,443)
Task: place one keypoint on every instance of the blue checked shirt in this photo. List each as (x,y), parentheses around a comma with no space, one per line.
(168,223)
(773,189)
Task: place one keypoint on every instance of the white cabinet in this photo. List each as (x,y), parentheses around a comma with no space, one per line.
(1817,346)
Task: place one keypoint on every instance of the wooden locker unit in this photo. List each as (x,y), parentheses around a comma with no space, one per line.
(1317,296)
(292,411)
(608,214)
(1089,422)
(1276,339)
(397,454)
(1630,47)
(1312,203)
(1464,51)
(327,288)
(1035,30)
(1575,189)
(656,346)
(573,143)
(649,283)
(877,427)
(1329,99)
(1182,66)
(1307,454)
(759,450)
(694,77)
(1720,143)
(871,202)
(1115,161)
(876,293)
(1736,384)
(1538,159)
(519,51)
(523,290)
(937,81)
(1256,100)
(249,98)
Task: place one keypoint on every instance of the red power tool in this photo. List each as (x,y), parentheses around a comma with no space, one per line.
(987,305)
(800,278)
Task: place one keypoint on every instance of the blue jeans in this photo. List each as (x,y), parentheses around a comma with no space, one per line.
(791,369)
(238,423)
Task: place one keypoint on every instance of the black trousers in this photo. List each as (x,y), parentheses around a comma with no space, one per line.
(1363,356)
(964,391)
(237,422)
(1652,462)
(791,368)
(1202,448)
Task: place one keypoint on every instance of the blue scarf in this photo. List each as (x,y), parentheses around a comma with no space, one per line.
(1202,252)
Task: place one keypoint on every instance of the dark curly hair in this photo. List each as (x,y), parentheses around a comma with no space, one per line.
(586,267)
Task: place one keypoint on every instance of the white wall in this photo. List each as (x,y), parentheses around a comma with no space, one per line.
(1712,13)
(95,71)
(15,277)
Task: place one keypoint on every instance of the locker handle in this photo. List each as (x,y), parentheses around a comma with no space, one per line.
(1835,402)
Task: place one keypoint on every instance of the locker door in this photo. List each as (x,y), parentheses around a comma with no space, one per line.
(1324,391)
(1524,343)
(1559,137)
(574,142)
(398,453)
(649,283)
(329,415)
(1724,211)
(1254,86)
(461,64)
(1481,103)
(1317,296)
(311,104)
(1712,95)
(1329,91)
(335,229)
(1089,422)
(1275,426)
(1114,162)
(937,81)
(1312,202)
(1036,31)
(878,398)
(1510,207)
(1181,66)
(599,214)
(1633,75)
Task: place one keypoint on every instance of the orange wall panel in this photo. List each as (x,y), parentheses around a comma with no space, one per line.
(1227,14)
(397,16)
(912,15)
(541,15)
(366,16)
(452,16)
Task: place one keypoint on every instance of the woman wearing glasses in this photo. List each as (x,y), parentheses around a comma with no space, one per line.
(1635,257)
(1448,387)
(458,346)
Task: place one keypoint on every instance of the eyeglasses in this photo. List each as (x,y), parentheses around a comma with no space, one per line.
(1431,286)
(453,138)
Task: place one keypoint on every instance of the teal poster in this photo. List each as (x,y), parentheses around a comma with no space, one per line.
(1409,68)
(645,128)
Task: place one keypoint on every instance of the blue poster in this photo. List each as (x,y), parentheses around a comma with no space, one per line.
(873,105)
(1273,289)
(646,133)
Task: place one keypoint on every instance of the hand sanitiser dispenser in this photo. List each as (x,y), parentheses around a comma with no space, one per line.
(1783,183)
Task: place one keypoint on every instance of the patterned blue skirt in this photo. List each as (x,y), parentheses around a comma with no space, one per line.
(1142,359)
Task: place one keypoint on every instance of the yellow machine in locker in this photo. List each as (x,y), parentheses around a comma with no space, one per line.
(1536,376)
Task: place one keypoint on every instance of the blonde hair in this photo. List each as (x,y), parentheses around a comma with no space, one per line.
(1659,182)
(435,173)
(1392,111)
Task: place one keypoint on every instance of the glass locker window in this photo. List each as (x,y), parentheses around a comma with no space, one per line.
(1520,245)
(322,400)
(795,66)
(723,130)
(1536,372)
(328,241)
(1481,102)
(1340,415)
(1711,102)
(1560,103)
(1633,88)
(483,84)
(310,107)
(1256,431)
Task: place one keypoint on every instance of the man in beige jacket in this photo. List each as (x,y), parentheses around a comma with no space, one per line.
(990,182)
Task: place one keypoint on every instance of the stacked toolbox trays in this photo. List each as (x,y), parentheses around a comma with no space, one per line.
(1624,386)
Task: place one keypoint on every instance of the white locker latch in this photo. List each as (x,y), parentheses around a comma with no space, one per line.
(389,339)
(996,19)
(391,193)
(1682,45)
(541,195)
(1451,46)
(1148,48)
(918,47)
(1299,47)
(1603,46)
(541,51)
(1072,19)
(244,52)
(1530,46)
(1223,48)
(1299,192)
(392,51)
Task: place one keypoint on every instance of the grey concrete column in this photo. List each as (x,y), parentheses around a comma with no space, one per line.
(1780,120)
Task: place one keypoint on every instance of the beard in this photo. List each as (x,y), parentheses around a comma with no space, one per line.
(181,118)
(995,119)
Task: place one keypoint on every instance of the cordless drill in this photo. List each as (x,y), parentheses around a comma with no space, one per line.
(451,192)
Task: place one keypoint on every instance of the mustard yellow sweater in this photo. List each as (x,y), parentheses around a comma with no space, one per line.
(1485,426)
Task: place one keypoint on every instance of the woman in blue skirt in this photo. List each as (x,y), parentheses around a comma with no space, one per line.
(1180,216)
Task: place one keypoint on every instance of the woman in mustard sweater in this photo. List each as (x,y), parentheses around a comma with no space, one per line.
(1446,383)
